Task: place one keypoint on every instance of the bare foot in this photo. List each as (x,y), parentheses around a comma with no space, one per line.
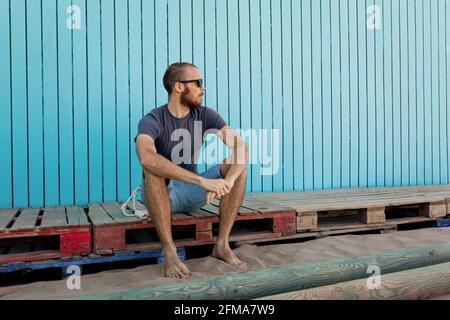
(224,252)
(175,268)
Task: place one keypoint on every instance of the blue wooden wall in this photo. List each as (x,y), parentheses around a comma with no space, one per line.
(354,106)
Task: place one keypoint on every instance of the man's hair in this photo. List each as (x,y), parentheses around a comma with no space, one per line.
(174,73)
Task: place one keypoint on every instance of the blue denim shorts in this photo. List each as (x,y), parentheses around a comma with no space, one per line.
(185,197)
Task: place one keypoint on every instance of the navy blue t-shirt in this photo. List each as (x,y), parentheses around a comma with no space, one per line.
(180,140)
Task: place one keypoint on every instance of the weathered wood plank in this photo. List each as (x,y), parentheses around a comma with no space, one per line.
(99,216)
(281,280)
(76,216)
(54,217)
(114,210)
(434,209)
(198,214)
(26,220)
(211,209)
(307,221)
(373,215)
(5,217)
(414,284)
(181,216)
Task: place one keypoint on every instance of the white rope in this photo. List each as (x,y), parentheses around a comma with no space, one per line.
(141,214)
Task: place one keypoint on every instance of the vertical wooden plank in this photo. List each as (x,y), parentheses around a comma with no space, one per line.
(326,94)
(161,45)
(267,92)
(354,104)
(396,65)
(135,58)
(447,82)
(419,34)
(307,95)
(109,100)
(210,75)
(436,165)
(371,106)
(175,31)
(427,92)
(95,88)
(222,63)
(317,95)
(233,63)
(245,85)
(336,94)
(256,92)
(50,97)
(388,92)
(148,52)
(198,43)
(412,79)
(379,98)
(123,100)
(186,29)
(278,102)
(345,93)
(404,98)
(442,94)
(65,103)
(34,80)
(362,93)
(297,95)
(80,107)
(19,103)
(198,56)
(6,196)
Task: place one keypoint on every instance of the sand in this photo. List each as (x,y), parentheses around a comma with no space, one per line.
(257,257)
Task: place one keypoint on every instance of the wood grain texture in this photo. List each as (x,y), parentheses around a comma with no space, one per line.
(281,280)
(414,284)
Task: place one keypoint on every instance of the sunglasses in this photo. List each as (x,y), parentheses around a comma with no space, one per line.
(198,82)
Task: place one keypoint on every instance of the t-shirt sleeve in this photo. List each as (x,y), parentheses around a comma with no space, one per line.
(150,126)
(213,120)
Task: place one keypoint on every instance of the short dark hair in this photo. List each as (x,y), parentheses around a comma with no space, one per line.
(174,73)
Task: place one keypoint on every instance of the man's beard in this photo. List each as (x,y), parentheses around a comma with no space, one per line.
(192,104)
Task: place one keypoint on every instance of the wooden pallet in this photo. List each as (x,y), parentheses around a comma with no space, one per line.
(47,233)
(114,232)
(370,205)
(88,260)
(355,229)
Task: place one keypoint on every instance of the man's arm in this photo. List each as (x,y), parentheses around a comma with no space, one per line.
(159,166)
(239,155)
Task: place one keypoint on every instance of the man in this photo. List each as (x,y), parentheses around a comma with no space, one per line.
(171,184)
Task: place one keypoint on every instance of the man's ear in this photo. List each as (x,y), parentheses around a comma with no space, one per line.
(178,87)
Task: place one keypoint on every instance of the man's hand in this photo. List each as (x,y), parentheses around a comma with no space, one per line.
(220,187)
(210,196)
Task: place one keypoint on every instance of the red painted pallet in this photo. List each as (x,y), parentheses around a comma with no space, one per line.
(114,232)
(41,234)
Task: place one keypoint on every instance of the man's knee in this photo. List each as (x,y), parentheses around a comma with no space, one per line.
(224,168)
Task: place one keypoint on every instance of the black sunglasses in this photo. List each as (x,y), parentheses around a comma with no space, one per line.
(198,82)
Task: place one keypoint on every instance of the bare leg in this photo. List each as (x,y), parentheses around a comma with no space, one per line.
(158,202)
(228,209)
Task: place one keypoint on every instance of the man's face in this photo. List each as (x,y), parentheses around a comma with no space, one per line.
(192,95)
